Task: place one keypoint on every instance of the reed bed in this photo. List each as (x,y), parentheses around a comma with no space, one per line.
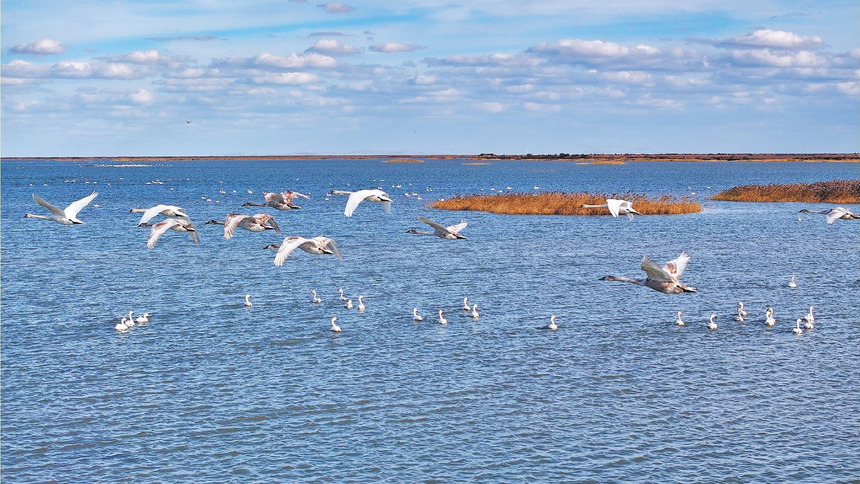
(557,203)
(834,191)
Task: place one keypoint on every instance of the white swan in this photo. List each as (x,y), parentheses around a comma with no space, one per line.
(142,319)
(121,326)
(791,283)
(255,223)
(711,323)
(317,245)
(416,316)
(176,224)
(663,279)
(349,304)
(466,306)
(617,207)
(248,302)
(69,216)
(835,214)
(552,324)
(342,297)
(316,299)
(797,329)
(334,327)
(442,319)
(355,198)
(451,233)
(809,317)
(129,321)
(769,320)
(679,321)
(279,201)
(166,210)
(361,306)
(741,312)
(475,314)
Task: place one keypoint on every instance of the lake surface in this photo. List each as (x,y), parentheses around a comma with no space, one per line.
(210,390)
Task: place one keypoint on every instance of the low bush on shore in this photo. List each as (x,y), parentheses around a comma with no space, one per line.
(557,203)
(835,191)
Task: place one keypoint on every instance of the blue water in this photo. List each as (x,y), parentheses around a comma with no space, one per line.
(212,391)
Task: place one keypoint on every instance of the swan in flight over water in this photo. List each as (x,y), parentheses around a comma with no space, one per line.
(663,279)
(835,214)
(416,316)
(176,224)
(451,233)
(317,245)
(69,216)
(255,223)
(617,207)
(279,201)
(355,198)
(166,210)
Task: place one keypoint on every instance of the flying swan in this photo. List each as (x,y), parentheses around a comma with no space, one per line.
(255,223)
(69,216)
(279,201)
(451,233)
(662,279)
(166,210)
(176,224)
(617,207)
(835,214)
(355,198)
(318,245)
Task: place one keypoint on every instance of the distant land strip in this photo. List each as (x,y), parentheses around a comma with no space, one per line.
(834,191)
(557,203)
(618,158)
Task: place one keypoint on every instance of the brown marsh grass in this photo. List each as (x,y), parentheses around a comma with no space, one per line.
(835,191)
(557,203)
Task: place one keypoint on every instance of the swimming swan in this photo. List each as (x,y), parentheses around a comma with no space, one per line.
(475,314)
(809,317)
(451,233)
(663,279)
(679,321)
(176,224)
(552,324)
(361,306)
(142,319)
(711,323)
(769,320)
(248,302)
(442,319)
(279,201)
(69,216)
(792,284)
(334,327)
(797,329)
(166,210)
(315,299)
(416,316)
(617,207)
(317,245)
(355,198)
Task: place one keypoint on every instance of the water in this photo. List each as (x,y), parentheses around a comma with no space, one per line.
(212,391)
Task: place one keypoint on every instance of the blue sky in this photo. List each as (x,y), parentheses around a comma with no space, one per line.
(108,77)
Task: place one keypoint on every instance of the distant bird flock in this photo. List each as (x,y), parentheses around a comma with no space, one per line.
(663,279)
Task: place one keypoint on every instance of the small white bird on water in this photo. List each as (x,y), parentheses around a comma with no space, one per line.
(679,321)
(349,304)
(769,320)
(552,324)
(792,284)
(797,329)
(69,216)
(142,319)
(334,327)
(711,323)
(466,306)
(121,326)
(373,195)
(809,317)
(442,319)
(475,314)
(361,306)
(315,299)
(741,312)
(342,297)
(416,316)
(248,302)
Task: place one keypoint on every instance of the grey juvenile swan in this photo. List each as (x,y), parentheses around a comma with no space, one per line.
(662,279)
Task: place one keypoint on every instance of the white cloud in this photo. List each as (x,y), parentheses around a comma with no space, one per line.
(40,47)
(141,97)
(776,39)
(294,61)
(394,47)
(769,58)
(333,47)
(336,7)
(72,69)
(492,107)
(286,78)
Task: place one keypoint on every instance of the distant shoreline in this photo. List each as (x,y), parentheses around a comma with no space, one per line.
(580,158)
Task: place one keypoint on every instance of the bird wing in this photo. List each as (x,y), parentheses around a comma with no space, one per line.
(158,230)
(271,221)
(676,267)
(290,195)
(614,206)
(192,231)
(458,227)
(433,224)
(386,205)
(76,206)
(834,215)
(330,244)
(287,246)
(654,271)
(54,210)
(151,212)
(232,223)
(271,197)
(354,199)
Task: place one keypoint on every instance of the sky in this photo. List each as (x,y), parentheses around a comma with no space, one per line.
(292,77)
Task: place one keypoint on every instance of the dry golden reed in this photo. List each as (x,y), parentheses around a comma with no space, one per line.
(557,203)
(835,191)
